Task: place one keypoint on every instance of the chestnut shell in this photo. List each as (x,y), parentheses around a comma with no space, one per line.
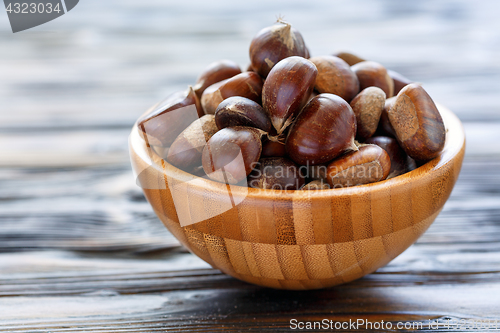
(276,173)
(169,118)
(325,129)
(246,84)
(287,89)
(396,153)
(185,152)
(367,165)
(273,44)
(335,77)
(241,111)
(215,72)
(231,153)
(417,123)
(371,73)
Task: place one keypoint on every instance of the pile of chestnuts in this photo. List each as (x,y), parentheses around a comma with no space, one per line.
(296,122)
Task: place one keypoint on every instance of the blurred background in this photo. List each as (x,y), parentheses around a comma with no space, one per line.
(71,89)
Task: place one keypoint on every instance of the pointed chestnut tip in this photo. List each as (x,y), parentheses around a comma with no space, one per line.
(353,146)
(281,20)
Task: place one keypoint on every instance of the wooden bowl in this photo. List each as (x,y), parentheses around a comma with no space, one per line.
(299,239)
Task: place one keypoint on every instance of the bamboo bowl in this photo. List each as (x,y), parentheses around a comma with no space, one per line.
(299,239)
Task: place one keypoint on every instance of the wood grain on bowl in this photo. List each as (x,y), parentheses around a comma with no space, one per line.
(300,239)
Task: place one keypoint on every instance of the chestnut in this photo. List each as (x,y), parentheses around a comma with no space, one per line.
(371,73)
(161,151)
(324,130)
(417,123)
(277,173)
(247,84)
(335,77)
(399,164)
(348,57)
(313,94)
(287,89)
(185,152)
(399,81)
(308,53)
(231,153)
(367,165)
(169,118)
(368,106)
(316,185)
(317,172)
(241,111)
(273,149)
(273,44)
(215,72)
(384,125)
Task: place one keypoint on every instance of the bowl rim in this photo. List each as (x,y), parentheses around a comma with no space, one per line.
(454,144)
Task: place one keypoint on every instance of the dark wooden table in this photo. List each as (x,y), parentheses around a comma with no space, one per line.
(81,249)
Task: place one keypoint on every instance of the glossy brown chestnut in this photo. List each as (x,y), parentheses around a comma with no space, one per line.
(324,130)
(313,94)
(273,44)
(350,58)
(418,125)
(316,185)
(308,53)
(384,125)
(396,154)
(247,84)
(277,173)
(368,106)
(367,165)
(317,172)
(216,72)
(399,81)
(371,73)
(287,89)
(335,77)
(241,111)
(273,149)
(230,154)
(185,152)
(169,118)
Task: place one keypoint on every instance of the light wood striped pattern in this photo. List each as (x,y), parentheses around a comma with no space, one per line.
(300,239)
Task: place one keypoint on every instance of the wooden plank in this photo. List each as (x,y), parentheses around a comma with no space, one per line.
(132,294)
(92,209)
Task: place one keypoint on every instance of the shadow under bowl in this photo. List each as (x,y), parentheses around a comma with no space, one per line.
(299,239)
